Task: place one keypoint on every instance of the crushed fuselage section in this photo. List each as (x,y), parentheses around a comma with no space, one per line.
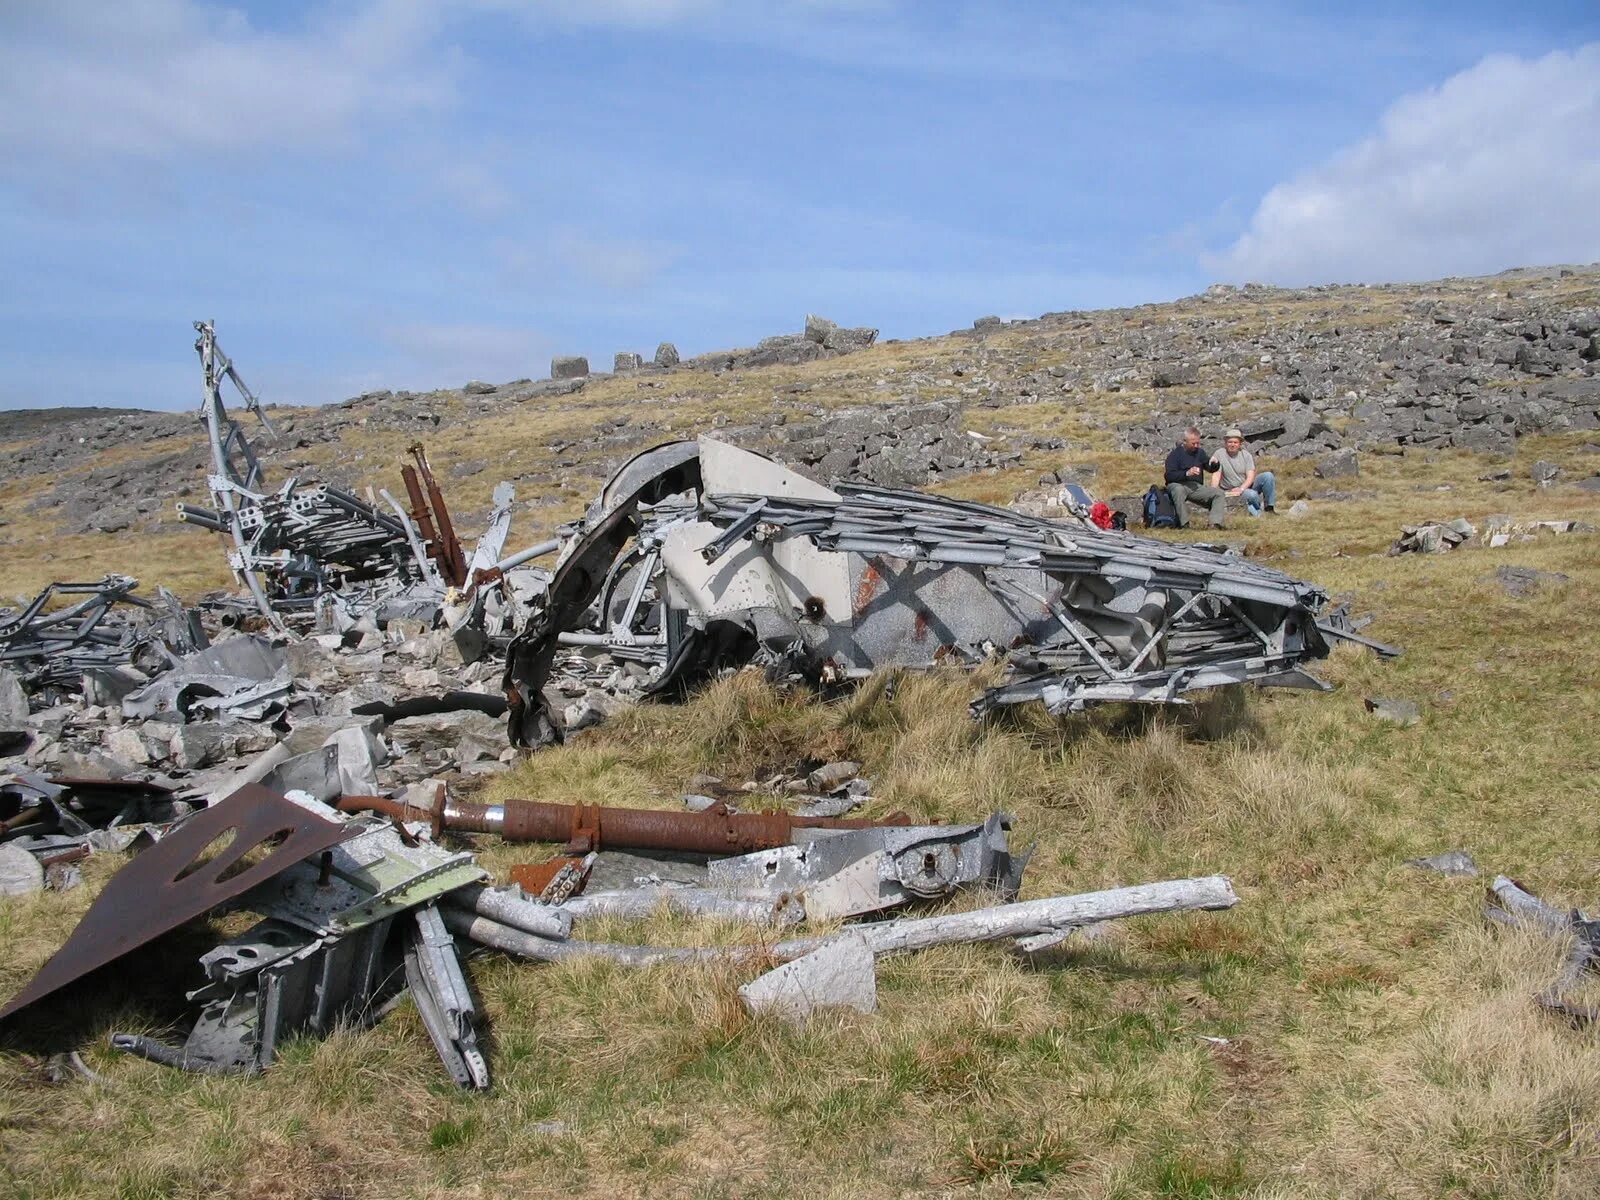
(699,555)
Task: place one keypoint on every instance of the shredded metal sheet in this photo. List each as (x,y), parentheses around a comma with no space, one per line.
(699,555)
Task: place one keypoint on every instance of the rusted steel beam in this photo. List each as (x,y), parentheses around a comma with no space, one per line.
(585,827)
(424,519)
(452,561)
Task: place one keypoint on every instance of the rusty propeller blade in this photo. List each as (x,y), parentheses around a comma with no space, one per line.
(168,885)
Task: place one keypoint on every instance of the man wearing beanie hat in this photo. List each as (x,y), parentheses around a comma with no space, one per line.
(1233,469)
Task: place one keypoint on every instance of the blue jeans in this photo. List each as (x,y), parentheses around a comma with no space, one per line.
(1264,492)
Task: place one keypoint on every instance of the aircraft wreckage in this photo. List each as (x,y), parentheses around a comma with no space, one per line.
(698,555)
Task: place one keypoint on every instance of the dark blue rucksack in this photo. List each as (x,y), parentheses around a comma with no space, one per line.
(1159,511)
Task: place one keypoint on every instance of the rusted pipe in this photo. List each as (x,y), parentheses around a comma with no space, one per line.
(398,809)
(585,827)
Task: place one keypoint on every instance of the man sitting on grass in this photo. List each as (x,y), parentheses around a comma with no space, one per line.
(1233,469)
(1186,469)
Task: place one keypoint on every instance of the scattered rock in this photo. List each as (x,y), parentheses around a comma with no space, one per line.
(1174,376)
(1298,511)
(1433,539)
(1545,473)
(626,360)
(833,775)
(1341,464)
(818,328)
(1522,582)
(1451,862)
(569,366)
(202,743)
(1398,712)
(20,872)
(130,745)
(847,341)
(454,731)
(13,701)
(666,355)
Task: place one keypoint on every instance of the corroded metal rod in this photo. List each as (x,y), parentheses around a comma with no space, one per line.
(585,827)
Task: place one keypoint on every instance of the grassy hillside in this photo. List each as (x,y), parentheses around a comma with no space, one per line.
(1351,1029)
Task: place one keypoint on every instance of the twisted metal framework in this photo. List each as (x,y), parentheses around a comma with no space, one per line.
(57,647)
(292,545)
(700,554)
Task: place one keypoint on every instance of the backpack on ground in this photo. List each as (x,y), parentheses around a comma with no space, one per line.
(1159,510)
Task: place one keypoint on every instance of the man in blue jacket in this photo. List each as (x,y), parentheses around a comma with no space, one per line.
(1187,467)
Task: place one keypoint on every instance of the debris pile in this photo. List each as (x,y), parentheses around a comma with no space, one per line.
(1499,530)
(357,904)
(53,646)
(1511,904)
(324,554)
(305,751)
(698,556)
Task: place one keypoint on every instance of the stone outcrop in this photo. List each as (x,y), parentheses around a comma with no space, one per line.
(1471,364)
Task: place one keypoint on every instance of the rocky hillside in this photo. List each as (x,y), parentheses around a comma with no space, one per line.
(1473,364)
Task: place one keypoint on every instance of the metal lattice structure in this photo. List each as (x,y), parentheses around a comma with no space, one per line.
(698,555)
(304,540)
(56,647)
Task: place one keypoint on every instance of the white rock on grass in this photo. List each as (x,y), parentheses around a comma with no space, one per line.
(13,702)
(20,872)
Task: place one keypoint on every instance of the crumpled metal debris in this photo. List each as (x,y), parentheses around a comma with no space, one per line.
(1499,530)
(355,907)
(1511,904)
(55,646)
(330,889)
(175,880)
(314,551)
(55,817)
(832,875)
(302,542)
(698,555)
(1435,538)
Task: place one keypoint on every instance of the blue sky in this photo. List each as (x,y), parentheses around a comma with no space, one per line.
(391,193)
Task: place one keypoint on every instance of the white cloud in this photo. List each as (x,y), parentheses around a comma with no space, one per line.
(613,262)
(146,79)
(449,355)
(660,13)
(567,255)
(474,187)
(1497,167)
